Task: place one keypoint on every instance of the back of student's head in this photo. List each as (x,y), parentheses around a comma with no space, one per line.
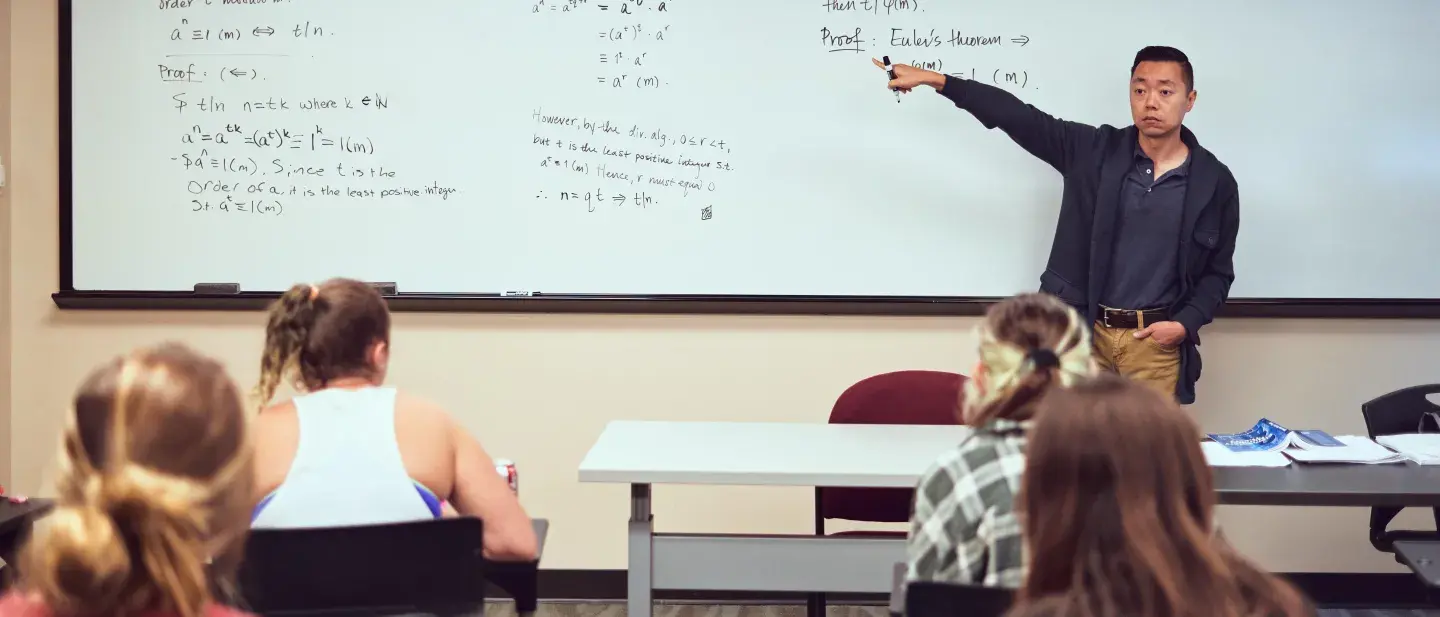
(1118,507)
(1027,344)
(154,480)
(320,333)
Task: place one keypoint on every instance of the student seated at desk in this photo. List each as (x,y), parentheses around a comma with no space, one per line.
(154,481)
(963,528)
(351,451)
(1118,511)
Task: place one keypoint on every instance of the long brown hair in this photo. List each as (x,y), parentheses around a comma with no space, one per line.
(317,334)
(1117,504)
(1011,380)
(155,479)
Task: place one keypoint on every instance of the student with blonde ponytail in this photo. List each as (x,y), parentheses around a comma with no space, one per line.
(963,528)
(349,450)
(154,493)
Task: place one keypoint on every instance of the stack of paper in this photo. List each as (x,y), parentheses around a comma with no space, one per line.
(1423,448)
(1218,455)
(1354,449)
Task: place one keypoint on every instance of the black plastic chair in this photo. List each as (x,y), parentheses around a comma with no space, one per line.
(433,567)
(1397,413)
(929,599)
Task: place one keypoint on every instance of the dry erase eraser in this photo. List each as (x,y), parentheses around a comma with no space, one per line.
(217,288)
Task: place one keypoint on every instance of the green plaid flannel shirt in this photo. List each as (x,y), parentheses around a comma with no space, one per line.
(964,527)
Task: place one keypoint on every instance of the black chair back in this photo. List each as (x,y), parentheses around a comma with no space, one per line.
(431,566)
(1402,411)
(1408,410)
(931,599)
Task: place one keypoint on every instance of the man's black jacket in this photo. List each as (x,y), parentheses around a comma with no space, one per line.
(1094,161)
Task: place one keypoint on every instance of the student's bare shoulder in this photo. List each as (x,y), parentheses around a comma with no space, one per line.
(421,410)
(277,430)
(282,413)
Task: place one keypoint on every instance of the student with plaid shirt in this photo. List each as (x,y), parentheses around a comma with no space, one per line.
(963,528)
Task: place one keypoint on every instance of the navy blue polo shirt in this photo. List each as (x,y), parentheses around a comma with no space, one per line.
(1143,272)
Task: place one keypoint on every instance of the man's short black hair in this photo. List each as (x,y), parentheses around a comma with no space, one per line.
(1161,53)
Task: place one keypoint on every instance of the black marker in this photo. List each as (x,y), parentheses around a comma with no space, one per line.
(891,70)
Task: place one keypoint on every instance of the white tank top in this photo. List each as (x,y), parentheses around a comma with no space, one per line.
(347,469)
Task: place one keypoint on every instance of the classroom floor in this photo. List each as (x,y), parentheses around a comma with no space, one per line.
(598,609)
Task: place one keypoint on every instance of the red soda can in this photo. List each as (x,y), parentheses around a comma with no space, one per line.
(506,469)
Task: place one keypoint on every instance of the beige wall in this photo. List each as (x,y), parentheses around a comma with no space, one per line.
(539,388)
(5,251)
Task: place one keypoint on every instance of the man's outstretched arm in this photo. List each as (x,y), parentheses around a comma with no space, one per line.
(1050,139)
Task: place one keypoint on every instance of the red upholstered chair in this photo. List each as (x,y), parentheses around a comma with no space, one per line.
(902,397)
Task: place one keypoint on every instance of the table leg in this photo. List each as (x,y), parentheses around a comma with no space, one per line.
(519,581)
(10,551)
(641,535)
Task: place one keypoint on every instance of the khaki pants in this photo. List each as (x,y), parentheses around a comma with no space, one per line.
(1142,360)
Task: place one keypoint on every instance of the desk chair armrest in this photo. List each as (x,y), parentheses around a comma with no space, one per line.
(1379,521)
(1383,539)
(1423,557)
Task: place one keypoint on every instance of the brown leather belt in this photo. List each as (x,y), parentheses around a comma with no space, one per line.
(1123,318)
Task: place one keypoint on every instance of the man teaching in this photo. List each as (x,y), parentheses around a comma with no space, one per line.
(1145,241)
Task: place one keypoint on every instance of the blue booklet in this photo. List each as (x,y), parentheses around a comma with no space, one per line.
(1268,436)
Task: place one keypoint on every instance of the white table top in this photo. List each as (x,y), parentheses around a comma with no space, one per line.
(766,453)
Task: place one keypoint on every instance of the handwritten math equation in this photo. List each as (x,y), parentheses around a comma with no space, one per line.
(620,58)
(629,26)
(280,138)
(600,126)
(593,200)
(276,167)
(624,80)
(211,104)
(228,203)
(238,164)
(877,7)
(598,197)
(628,7)
(633,32)
(999,77)
(190,75)
(185,32)
(855,39)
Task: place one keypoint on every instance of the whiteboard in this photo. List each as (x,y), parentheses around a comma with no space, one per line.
(716,148)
